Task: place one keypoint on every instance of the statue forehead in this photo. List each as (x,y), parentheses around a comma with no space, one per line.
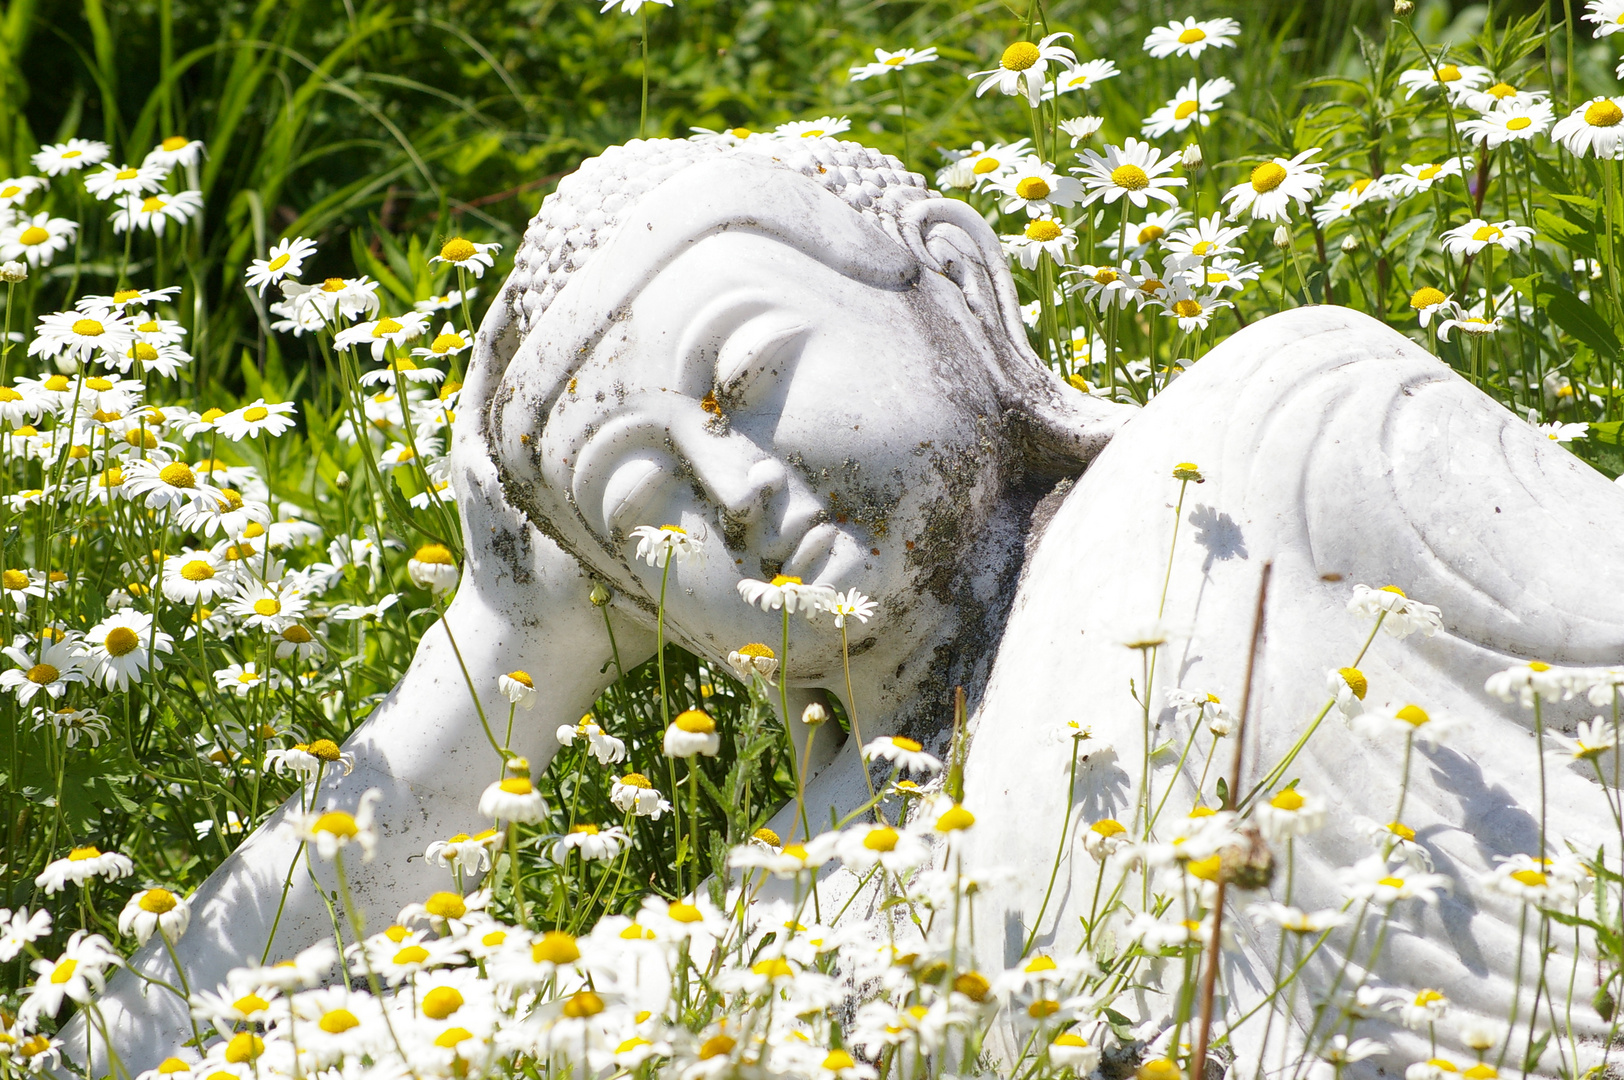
(592,205)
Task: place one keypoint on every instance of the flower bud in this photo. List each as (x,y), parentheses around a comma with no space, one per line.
(1350,244)
(342,480)
(599,595)
(814,714)
(1402,8)
(12,272)
(1192,157)
(1282,237)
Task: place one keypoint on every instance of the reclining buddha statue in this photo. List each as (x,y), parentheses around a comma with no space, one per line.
(798,353)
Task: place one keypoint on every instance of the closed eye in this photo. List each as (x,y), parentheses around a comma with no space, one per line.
(759,354)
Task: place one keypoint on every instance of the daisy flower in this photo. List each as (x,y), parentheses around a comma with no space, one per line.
(1191,707)
(330,831)
(1216,274)
(1469,323)
(155,910)
(1274,185)
(166,486)
(1457,79)
(692,732)
(448,342)
(787,593)
(37,239)
(1024,67)
(1510,122)
(1562,433)
(852,604)
(1042,236)
(1413,179)
(472,854)
(1081,76)
(596,844)
(813,129)
(196,577)
(1207,237)
(1032,185)
(658,545)
(1082,128)
(176,150)
(1594,128)
(1136,170)
(1189,105)
(861,847)
(751,660)
(155,211)
(885,62)
(1106,285)
(434,568)
(1608,15)
(269,607)
(285,259)
(1534,881)
(444,302)
(313,306)
(14,190)
(80,335)
(1104,837)
(634,794)
(76,974)
(244,679)
(1522,682)
(605,747)
(631,7)
(1348,686)
(1371,879)
(55,665)
(112,180)
(514,798)
(519,688)
(1296,920)
(1593,739)
(59,158)
(1343,203)
(1477,234)
(251,421)
(1405,722)
(1193,310)
(1290,813)
(80,865)
(904,753)
(381,333)
(122,646)
(1191,37)
(1403,615)
(982,165)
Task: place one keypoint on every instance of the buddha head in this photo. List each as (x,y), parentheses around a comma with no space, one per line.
(793,351)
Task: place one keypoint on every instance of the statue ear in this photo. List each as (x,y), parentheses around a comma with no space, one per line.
(1057,427)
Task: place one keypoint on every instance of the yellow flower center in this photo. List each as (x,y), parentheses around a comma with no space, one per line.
(14,579)
(178,474)
(1532,878)
(954,819)
(1356,681)
(457,250)
(121,640)
(1042,230)
(1066,1038)
(411,954)
(1287,800)
(1517,123)
(1105,275)
(249,1004)
(1603,113)
(170,1065)
(267,606)
(450,1037)
(175,142)
(757,649)
(773,968)
(10,191)
(766,836)
(444,343)
(152,204)
(143,352)
(883,838)
(716,1046)
(555,947)
(1391,882)
(1429,172)
(695,721)
(1414,715)
(902,742)
(1032,188)
(1020,56)
(1481,1071)
(985,165)
(839,1059)
(33,235)
(1108,827)
(88,328)
(244,1046)
(441,1002)
(338,1021)
(1206,869)
(386,326)
(973,985)
(434,554)
(1131,177)
(446,905)
(255,414)
(1184,109)
(516,785)
(333,284)
(1425,297)
(684,913)
(1487,232)
(1538,665)
(279,262)
(583,1003)
(1448,73)
(1268,176)
(1151,233)
(43,674)
(1401,830)
(1186,309)
(337,823)
(197,570)
(1042,1007)
(63,971)
(126,174)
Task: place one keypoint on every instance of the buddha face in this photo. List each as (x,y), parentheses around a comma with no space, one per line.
(793,420)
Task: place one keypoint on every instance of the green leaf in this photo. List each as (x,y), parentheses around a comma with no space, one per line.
(1531,1061)
(1578,319)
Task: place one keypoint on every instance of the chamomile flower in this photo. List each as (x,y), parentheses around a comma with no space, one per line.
(19,929)
(16,189)
(1296,920)
(49,668)
(379,334)
(469,256)
(904,753)
(448,342)
(1405,722)
(1042,236)
(1190,104)
(1372,879)
(1427,302)
(1191,37)
(1594,128)
(77,974)
(822,127)
(175,151)
(80,865)
(81,335)
(1024,67)
(1274,185)
(269,607)
(788,593)
(37,239)
(433,567)
(70,156)
(244,679)
(111,181)
(692,732)
(122,646)
(155,910)
(982,165)
(754,659)
(285,259)
(1559,432)
(852,604)
(514,798)
(259,418)
(1106,286)
(1422,1009)
(1403,616)
(469,854)
(1458,79)
(332,830)
(1510,122)
(659,545)
(1193,309)
(166,486)
(1290,812)
(1034,186)
(1474,325)
(634,794)
(1341,204)
(1082,128)
(1477,234)
(1348,686)
(1081,76)
(1544,882)
(1199,706)
(887,62)
(445,302)
(154,212)
(314,306)
(1136,171)
(595,843)
(862,846)
(518,687)
(605,747)
(197,577)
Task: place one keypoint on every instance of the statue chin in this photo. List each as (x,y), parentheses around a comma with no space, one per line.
(825,380)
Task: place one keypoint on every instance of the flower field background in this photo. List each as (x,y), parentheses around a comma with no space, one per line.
(244,251)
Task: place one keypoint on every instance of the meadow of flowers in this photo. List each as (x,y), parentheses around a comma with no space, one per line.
(217,557)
